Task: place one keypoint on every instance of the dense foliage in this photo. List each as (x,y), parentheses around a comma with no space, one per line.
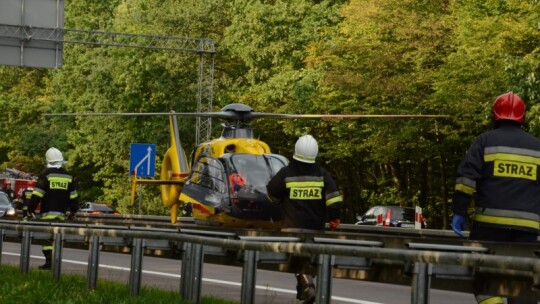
(447,57)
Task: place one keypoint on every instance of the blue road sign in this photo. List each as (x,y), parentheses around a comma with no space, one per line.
(142,161)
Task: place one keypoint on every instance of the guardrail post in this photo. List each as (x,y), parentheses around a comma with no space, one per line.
(57,256)
(324,279)
(423,272)
(252,258)
(136,267)
(93,263)
(25,251)
(196,273)
(192,261)
(421,282)
(185,272)
(249,277)
(191,273)
(327,262)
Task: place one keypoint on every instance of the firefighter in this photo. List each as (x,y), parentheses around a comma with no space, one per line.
(500,170)
(56,191)
(25,198)
(309,196)
(8,190)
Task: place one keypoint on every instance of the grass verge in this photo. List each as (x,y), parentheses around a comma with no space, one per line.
(38,287)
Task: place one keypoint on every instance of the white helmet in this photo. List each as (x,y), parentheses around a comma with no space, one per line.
(54,158)
(306,149)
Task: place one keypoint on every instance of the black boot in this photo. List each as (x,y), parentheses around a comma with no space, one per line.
(305,288)
(48,259)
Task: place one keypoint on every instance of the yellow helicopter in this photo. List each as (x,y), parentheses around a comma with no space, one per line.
(224,182)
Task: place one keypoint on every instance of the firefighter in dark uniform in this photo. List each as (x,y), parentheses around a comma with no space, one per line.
(56,191)
(309,197)
(8,190)
(25,198)
(501,171)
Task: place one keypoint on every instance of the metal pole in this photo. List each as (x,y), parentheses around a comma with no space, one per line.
(57,256)
(421,282)
(196,272)
(93,263)
(185,273)
(136,267)
(324,279)
(249,277)
(25,251)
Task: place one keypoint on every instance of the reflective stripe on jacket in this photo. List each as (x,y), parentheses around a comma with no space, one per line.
(509,218)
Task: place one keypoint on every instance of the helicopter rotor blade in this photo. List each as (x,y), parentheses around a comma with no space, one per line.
(329,116)
(250,116)
(243,113)
(223,115)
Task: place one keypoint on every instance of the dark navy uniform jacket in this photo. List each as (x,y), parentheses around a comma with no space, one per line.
(501,172)
(55,189)
(308,194)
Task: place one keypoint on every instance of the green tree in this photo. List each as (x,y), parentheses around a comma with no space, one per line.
(383,60)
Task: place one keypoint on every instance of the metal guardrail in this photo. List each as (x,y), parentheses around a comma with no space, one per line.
(194,244)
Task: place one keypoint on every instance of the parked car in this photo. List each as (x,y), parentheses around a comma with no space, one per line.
(6,207)
(391,216)
(97,208)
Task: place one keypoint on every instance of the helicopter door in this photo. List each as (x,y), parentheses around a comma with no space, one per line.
(207,182)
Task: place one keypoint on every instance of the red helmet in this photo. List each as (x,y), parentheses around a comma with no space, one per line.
(509,106)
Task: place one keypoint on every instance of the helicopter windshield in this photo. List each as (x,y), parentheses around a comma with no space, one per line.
(256,170)
(208,172)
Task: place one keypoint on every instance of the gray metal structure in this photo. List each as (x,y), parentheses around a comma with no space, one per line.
(17,46)
(32,35)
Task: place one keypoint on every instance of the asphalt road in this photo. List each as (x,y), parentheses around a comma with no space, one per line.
(225,281)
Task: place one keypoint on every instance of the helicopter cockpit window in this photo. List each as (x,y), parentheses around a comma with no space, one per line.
(276,162)
(256,170)
(208,172)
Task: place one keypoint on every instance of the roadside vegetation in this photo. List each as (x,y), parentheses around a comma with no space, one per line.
(38,287)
